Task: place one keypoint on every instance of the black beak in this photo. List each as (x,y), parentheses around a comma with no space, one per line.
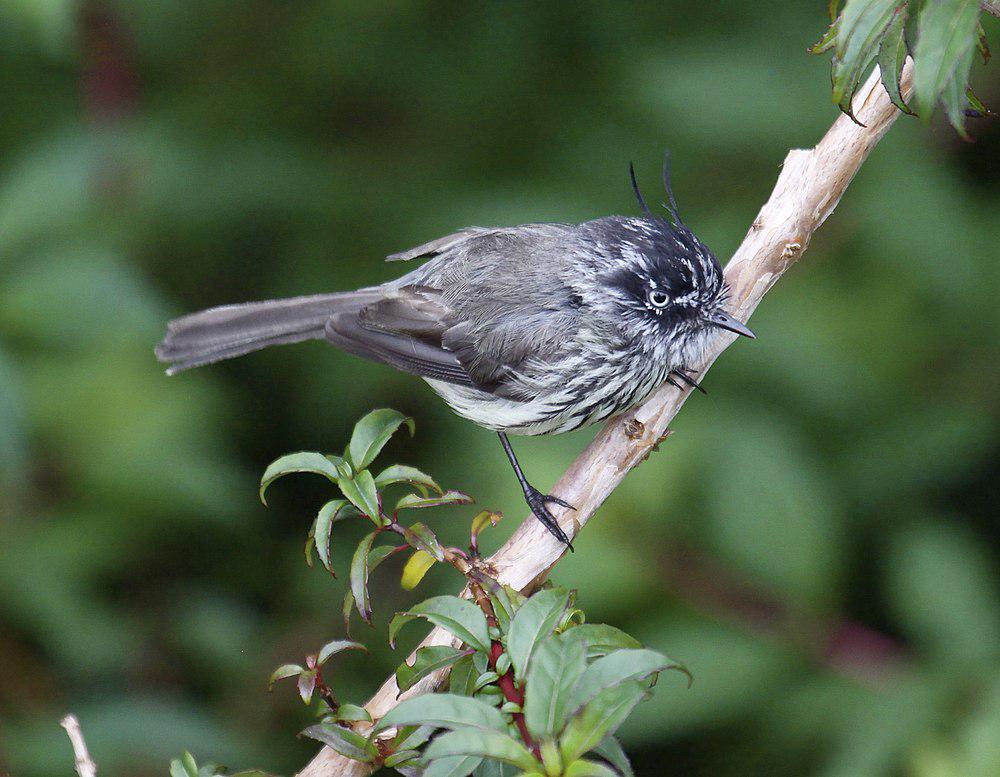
(726,321)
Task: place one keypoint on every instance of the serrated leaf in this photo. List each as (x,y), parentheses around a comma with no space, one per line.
(283,671)
(416,567)
(612,752)
(333,511)
(616,668)
(336,646)
(485,744)
(892,56)
(361,492)
(535,620)
(601,638)
(400,473)
(554,669)
(345,741)
(444,710)
(360,570)
(371,434)
(352,713)
(462,680)
(458,616)
(304,461)
(307,685)
(420,537)
(413,501)
(946,37)
(599,719)
(584,768)
(427,661)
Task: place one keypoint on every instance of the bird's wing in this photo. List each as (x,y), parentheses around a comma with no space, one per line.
(437,246)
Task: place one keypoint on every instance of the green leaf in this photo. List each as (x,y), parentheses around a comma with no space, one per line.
(415,569)
(555,667)
(352,713)
(891,56)
(283,671)
(829,39)
(333,511)
(412,501)
(861,27)
(955,97)
(616,668)
(411,737)
(506,602)
(601,638)
(371,434)
(589,769)
(535,619)
(946,35)
(486,744)
(462,680)
(612,752)
(361,491)
(400,473)
(345,741)
(420,537)
(336,646)
(375,557)
(307,685)
(185,766)
(427,660)
(444,710)
(306,461)
(458,616)
(360,569)
(982,44)
(402,756)
(599,719)
(452,766)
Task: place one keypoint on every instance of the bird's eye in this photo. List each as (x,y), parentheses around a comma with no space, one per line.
(658,299)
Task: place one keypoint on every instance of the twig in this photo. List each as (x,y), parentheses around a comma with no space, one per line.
(991,7)
(809,187)
(85,766)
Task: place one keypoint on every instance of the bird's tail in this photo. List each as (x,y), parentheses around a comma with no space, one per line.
(233,330)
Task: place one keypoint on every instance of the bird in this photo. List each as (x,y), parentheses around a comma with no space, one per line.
(534,329)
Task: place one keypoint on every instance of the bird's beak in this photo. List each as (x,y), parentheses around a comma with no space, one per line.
(726,321)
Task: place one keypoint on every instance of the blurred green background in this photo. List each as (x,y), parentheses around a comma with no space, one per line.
(818,541)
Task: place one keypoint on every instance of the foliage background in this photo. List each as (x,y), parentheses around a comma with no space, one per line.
(817,541)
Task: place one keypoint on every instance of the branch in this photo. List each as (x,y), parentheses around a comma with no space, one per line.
(85,766)
(991,7)
(809,187)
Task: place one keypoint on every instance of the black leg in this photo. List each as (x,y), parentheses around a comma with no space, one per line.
(536,499)
(682,374)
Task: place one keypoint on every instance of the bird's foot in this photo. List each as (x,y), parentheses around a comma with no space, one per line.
(536,501)
(682,373)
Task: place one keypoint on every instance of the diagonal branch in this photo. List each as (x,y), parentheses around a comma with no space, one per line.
(809,187)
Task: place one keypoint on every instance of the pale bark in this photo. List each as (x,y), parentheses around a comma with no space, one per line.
(809,187)
(85,766)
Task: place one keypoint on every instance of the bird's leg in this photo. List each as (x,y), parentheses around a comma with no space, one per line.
(682,373)
(536,499)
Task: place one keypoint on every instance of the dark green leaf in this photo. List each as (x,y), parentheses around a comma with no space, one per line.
(462,680)
(833,9)
(458,616)
(352,713)
(336,646)
(982,44)
(410,501)
(444,710)
(360,569)
(427,660)
(891,56)
(506,601)
(955,96)
(402,756)
(601,638)
(420,537)
(555,667)
(400,473)
(348,743)
(375,557)
(534,620)
(976,104)
(946,36)
(599,719)
(306,461)
(497,769)
(612,752)
(486,744)
(283,671)
(829,39)
(371,434)
(333,511)
(411,737)
(616,668)
(452,766)
(589,769)
(860,30)
(361,491)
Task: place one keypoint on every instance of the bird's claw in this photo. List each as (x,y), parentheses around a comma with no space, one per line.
(536,501)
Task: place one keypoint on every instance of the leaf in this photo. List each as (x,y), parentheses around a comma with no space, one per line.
(589,769)
(371,434)
(599,719)
(458,616)
(861,27)
(283,671)
(498,769)
(420,537)
(555,667)
(462,680)
(946,34)
(333,511)
(402,756)
(601,638)
(415,569)
(352,713)
(400,473)
(891,56)
(411,737)
(485,519)
(336,646)
(361,491)
(535,619)
(427,660)
(306,685)
(412,501)
(612,752)
(506,601)
(305,461)
(185,766)
(955,96)
(345,741)
(487,744)
(829,39)
(444,710)
(616,668)
(452,766)
(375,557)
(360,569)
